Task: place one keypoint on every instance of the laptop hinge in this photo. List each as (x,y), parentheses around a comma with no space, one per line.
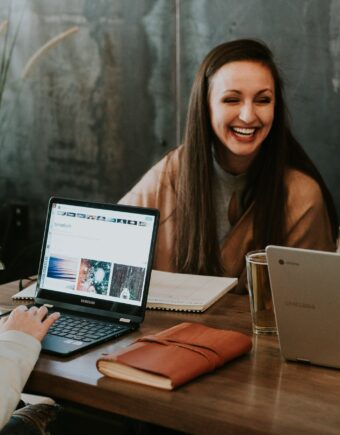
(123,320)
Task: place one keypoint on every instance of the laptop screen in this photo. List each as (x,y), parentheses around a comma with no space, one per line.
(97,255)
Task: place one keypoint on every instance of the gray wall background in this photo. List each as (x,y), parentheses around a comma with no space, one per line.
(101,107)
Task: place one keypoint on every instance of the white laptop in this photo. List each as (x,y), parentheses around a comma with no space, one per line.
(306,294)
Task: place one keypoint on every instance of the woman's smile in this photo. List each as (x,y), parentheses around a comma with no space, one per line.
(244,134)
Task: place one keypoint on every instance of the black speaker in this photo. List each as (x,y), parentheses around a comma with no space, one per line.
(19,253)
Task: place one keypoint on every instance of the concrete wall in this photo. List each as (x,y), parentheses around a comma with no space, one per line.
(101,107)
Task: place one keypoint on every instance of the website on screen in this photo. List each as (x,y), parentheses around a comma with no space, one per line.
(97,253)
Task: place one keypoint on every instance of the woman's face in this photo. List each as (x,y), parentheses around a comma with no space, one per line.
(241,102)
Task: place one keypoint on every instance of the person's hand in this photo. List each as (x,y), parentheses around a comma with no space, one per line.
(33,321)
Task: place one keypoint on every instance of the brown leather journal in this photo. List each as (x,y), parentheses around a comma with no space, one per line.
(175,356)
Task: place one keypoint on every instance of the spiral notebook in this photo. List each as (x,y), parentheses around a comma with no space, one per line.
(173,291)
(27,294)
(185,292)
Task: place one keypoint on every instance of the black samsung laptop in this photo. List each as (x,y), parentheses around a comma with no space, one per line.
(95,269)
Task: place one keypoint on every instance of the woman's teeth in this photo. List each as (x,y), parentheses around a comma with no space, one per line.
(243,131)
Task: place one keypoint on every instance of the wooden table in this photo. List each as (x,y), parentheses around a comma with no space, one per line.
(258,393)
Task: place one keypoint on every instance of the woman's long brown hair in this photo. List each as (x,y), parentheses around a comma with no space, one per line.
(197,247)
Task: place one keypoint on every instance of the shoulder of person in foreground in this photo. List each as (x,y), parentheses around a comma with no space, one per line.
(20,336)
(18,355)
(157,186)
(308,223)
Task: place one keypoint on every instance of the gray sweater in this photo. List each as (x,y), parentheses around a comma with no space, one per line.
(224,186)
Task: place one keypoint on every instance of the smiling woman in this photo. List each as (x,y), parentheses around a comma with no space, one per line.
(241,112)
(240,181)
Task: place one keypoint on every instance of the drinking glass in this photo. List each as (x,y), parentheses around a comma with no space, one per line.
(260,295)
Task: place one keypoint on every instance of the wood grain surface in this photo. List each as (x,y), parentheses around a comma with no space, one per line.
(258,393)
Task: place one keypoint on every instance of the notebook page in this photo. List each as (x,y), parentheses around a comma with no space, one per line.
(186,289)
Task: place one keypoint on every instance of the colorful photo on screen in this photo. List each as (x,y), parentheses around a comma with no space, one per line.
(93,276)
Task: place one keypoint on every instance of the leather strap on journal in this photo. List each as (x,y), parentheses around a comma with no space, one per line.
(212,357)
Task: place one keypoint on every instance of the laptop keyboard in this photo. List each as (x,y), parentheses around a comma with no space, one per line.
(86,330)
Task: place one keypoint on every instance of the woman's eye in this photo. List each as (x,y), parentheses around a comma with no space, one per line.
(263,100)
(231,100)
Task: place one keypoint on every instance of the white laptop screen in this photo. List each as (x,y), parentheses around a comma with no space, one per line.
(97,253)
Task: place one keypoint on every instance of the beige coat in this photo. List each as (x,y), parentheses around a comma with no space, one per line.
(18,354)
(308,223)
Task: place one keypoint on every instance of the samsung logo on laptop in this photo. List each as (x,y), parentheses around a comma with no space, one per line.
(300,305)
(290,263)
(86,301)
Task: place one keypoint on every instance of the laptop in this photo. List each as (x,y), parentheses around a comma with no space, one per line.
(306,294)
(95,269)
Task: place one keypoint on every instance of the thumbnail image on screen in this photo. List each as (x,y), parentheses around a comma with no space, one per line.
(127,282)
(63,268)
(93,276)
